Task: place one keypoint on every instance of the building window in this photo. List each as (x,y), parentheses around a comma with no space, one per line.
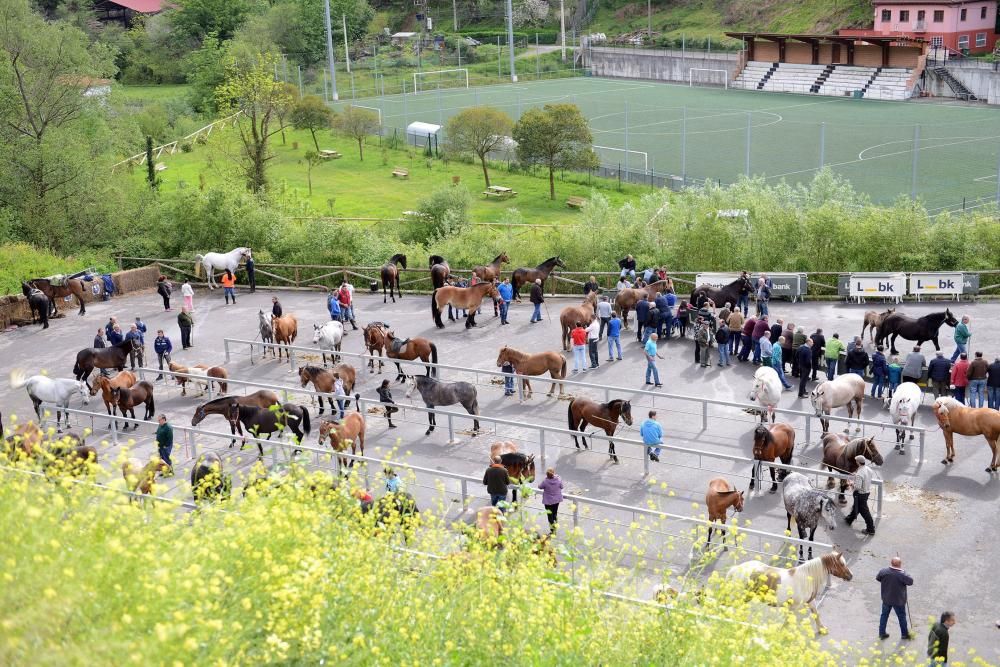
(886,15)
(904,15)
(980,39)
(921,15)
(963,42)
(937,42)
(982,12)
(939,16)
(962,14)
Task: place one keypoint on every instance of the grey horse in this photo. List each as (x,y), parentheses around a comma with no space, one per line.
(435,392)
(808,505)
(266,331)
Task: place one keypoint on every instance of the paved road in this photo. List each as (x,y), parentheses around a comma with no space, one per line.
(939,519)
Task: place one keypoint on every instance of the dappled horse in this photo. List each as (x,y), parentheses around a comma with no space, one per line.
(720,295)
(390,275)
(128,397)
(718,499)
(38,302)
(220,261)
(873,319)
(539,363)
(776,441)
(903,408)
(462,298)
(208,480)
(408,349)
(263,398)
(436,393)
(526,276)
(286,328)
(838,456)
(114,356)
(953,417)
(582,412)
(520,466)
(107,385)
(921,329)
(490,273)
(43,389)
(571,315)
(348,431)
(266,334)
(323,381)
(54,292)
(847,389)
(808,506)
(328,338)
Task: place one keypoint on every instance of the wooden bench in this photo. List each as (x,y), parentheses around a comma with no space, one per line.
(399,172)
(576,202)
(499,191)
(329,155)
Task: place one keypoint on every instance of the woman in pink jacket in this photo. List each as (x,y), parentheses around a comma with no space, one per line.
(551,487)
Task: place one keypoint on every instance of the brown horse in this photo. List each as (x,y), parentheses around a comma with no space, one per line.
(139,478)
(409,349)
(348,431)
(570,315)
(324,381)
(839,453)
(626,299)
(263,398)
(286,328)
(390,275)
(520,466)
(604,416)
(540,363)
(464,298)
(70,286)
(375,342)
(719,498)
(490,273)
(90,358)
(872,320)
(769,443)
(526,276)
(440,271)
(218,373)
(953,417)
(129,397)
(106,385)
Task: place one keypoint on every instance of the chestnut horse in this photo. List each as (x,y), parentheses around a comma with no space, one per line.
(491,274)
(953,417)
(286,328)
(139,478)
(129,397)
(626,299)
(409,349)
(323,381)
(520,466)
(839,453)
(769,443)
(348,431)
(106,385)
(583,412)
(374,333)
(570,315)
(464,298)
(70,286)
(390,275)
(719,498)
(526,276)
(872,321)
(539,363)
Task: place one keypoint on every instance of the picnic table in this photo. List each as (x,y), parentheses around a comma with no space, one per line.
(499,191)
(399,172)
(576,202)
(329,155)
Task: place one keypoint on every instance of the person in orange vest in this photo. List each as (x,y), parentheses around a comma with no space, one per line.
(229,286)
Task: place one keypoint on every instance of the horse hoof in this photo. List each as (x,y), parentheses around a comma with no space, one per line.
(774,489)
(944,461)
(902,451)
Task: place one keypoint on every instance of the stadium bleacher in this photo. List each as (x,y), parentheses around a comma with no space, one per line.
(883,83)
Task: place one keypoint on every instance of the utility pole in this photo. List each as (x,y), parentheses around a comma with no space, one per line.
(649,16)
(454,13)
(347,53)
(510,40)
(329,50)
(562,28)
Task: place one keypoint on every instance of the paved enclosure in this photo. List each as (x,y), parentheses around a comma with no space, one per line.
(940,520)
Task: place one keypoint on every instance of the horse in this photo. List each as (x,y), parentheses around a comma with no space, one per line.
(520,466)
(570,315)
(774,442)
(490,522)
(348,431)
(873,319)
(263,398)
(720,295)
(463,298)
(440,271)
(205,375)
(490,273)
(139,478)
(435,393)
(766,390)
(220,261)
(266,333)
(847,389)
(409,349)
(323,381)
(808,506)
(128,397)
(38,302)
(208,481)
(390,275)
(799,585)
(526,276)
(903,408)
(374,333)
(953,417)
(328,337)
(718,499)
(43,389)
(921,329)
(625,301)
(286,328)
(113,356)
(268,421)
(534,364)
(69,286)
(582,411)
(106,386)
(838,456)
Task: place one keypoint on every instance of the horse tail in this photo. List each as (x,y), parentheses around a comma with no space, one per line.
(76,371)
(435,311)
(305,421)
(569,415)
(562,369)
(18,378)
(357,402)
(434,359)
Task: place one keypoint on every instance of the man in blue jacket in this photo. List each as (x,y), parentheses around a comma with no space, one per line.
(652,436)
(614,336)
(641,310)
(664,310)
(163,347)
(894,581)
(506,291)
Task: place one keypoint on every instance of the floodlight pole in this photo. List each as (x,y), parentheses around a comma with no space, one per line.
(562,28)
(347,52)
(331,61)
(510,40)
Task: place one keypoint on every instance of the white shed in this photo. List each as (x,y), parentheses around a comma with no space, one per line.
(417,133)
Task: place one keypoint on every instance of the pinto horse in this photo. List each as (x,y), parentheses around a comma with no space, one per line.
(348,431)
(220,261)
(808,506)
(921,329)
(873,319)
(719,498)
(266,334)
(520,466)
(720,295)
(324,381)
(107,385)
(838,456)
(539,363)
(208,373)
(490,273)
(128,397)
(286,328)
(409,349)
(39,303)
(70,286)
(953,417)
(570,315)
(769,443)
(390,275)
(463,298)
(526,276)
(604,416)
(847,389)
(90,358)
(269,421)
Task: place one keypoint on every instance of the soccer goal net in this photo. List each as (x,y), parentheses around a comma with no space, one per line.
(698,76)
(609,156)
(440,79)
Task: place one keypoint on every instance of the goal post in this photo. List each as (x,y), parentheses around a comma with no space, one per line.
(440,78)
(375,109)
(706,76)
(611,156)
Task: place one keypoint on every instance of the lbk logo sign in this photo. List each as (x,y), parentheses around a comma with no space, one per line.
(891,286)
(936,283)
(939,284)
(879,287)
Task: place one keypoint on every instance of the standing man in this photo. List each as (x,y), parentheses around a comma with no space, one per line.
(992,384)
(880,372)
(703,336)
(668,315)
(165,443)
(506,291)
(641,311)
(651,355)
(652,323)
(764,349)
(333,306)
(763,296)
(115,336)
(977,373)
(744,301)
(735,324)
(652,436)
(593,336)
(804,356)
(960,377)
(385,396)
(98,344)
(747,335)
(135,354)
(857,359)
(937,640)
(604,311)
(894,582)
(163,347)
(496,481)
(722,339)
(962,336)
(798,339)
(862,483)
(347,302)
(778,361)
(818,350)
(938,372)
(664,314)
(591,286)
(110,326)
(276,309)
(537,299)
(627,266)
(186,324)
(251,276)
(834,347)
(578,338)
(614,337)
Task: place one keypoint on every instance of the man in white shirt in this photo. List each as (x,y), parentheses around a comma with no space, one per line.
(593,335)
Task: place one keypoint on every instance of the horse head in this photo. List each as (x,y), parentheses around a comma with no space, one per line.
(434,259)
(504,259)
(836,565)
(626,412)
(816,397)
(84,390)
(199,414)
(305,376)
(116,394)
(559,262)
(871,451)
(754,390)
(97,386)
(761,435)
(317,333)
(411,384)
(502,357)
(828,510)
(949,319)
(528,472)
(738,501)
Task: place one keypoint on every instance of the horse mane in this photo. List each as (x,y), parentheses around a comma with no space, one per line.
(216,401)
(550,260)
(809,578)
(946,403)
(616,403)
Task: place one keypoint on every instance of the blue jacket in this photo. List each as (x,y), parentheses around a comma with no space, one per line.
(333,306)
(114,338)
(134,335)
(506,291)
(880,368)
(614,327)
(671,299)
(661,304)
(162,345)
(805,355)
(895,373)
(652,432)
(641,310)
(776,361)
(894,583)
(939,369)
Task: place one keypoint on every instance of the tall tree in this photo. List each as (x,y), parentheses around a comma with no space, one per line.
(357,123)
(480,131)
(250,87)
(196,19)
(311,113)
(557,137)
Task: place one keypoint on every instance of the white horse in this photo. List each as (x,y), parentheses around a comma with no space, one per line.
(221,261)
(766,390)
(328,337)
(903,408)
(800,585)
(848,389)
(43,389)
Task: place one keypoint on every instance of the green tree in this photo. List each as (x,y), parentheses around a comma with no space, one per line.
(197,19)
(312,160)
(151,177)
(206,70)
(311,113)
(556,137)
(357,123)
(250,87)
(480,131)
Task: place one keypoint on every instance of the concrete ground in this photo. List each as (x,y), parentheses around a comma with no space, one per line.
(938,519)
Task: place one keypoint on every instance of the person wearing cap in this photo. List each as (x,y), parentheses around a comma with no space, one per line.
(537,299)
(862,483)
(136,352)
(98,344)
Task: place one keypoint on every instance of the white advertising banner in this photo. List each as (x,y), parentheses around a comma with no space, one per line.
(878,285)
(923,284)
(786,285)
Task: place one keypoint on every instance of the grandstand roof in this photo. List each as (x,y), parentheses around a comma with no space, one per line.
(771,36)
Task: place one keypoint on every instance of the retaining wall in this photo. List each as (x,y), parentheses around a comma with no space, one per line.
(657,65)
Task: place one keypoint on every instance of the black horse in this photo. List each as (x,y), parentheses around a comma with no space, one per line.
(720,295)
(38,302)
(526,276)
(390,275)
(921,329)
(90,358)
(208,481)
(267,421)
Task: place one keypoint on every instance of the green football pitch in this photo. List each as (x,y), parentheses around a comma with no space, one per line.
(947,153)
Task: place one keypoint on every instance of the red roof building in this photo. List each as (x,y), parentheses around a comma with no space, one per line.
(123,11)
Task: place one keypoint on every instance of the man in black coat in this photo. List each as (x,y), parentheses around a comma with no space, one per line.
(857,359)
(894,581)
(98,344)
(627,265)
(275,307)
(496,481)
(804,355)
(251,276)
(819,343)
(537,299)
(641,312)
(777,331)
